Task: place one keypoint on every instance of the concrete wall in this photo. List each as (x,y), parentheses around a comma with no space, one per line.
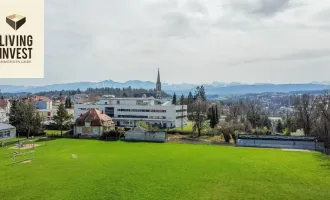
(145,136)
(310,145)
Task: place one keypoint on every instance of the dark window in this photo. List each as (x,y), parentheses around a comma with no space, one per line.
(110,111)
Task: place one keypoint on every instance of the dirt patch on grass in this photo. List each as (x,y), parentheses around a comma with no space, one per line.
(304,150)
(187,139)
(25,146)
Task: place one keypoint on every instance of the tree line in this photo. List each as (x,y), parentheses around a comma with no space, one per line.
(310,113)
(118,92)
(24,116)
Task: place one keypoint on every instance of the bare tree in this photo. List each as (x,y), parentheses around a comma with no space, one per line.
(198,114)
(253,113)
(324,122)
(307,114)
(234,111)
(325,109)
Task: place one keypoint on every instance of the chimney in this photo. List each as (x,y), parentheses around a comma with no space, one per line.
(102,111)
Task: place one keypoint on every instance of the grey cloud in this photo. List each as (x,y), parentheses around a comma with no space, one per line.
(115,37)
(196,6)
(301,55)
(266,8)
(177,24)
(271,7)
(308,54)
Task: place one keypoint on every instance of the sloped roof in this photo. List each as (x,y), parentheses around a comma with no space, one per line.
(94,116)
(4,126)
(40,98)
(3,102)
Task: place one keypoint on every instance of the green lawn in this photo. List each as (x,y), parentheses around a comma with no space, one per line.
(119,170)
(187,128)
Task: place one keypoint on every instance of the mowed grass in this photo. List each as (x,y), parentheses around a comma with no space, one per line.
(120,170)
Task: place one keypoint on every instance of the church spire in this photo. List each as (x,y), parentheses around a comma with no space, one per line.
(158,77)
(158,87)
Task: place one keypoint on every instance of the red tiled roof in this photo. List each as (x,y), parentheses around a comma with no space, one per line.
(94,116)
(3,103)
(40,98)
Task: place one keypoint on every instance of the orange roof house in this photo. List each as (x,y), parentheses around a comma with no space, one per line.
(93,123)
(5,104)
(40,98)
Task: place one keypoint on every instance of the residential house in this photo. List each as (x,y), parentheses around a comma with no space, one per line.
(42,102)
(46,114)
(4,116)
(5,104)
(79,98)
(7,131)
(93,123)
(44,107)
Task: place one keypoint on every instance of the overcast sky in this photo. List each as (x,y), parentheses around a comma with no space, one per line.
(194,41)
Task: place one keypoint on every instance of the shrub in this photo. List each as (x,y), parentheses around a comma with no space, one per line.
(227,137)
(179,132)
(286,132)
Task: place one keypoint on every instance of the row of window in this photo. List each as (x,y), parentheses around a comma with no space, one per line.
(95,130)
(181,110)
(157,117)
(132,116)
(183,116)
(4,134)
(141,110)
(129,110)
(141,117)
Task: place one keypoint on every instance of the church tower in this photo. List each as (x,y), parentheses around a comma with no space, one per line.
(158,87)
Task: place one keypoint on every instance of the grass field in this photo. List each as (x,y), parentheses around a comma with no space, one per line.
(119,170)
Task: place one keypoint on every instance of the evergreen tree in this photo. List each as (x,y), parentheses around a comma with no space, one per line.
(216,115)
(279,126)
(14,114)
(62,117)
(266,122)
(202,93)
(212,120)
(197,93)
(174,99)
(182,100)
(68,103)
(190,98)
(25,118)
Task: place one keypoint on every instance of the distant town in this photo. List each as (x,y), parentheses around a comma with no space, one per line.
(195,114)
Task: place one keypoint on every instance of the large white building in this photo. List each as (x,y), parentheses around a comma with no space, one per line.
(127,111)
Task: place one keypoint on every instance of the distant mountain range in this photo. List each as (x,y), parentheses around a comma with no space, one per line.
(215,88)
